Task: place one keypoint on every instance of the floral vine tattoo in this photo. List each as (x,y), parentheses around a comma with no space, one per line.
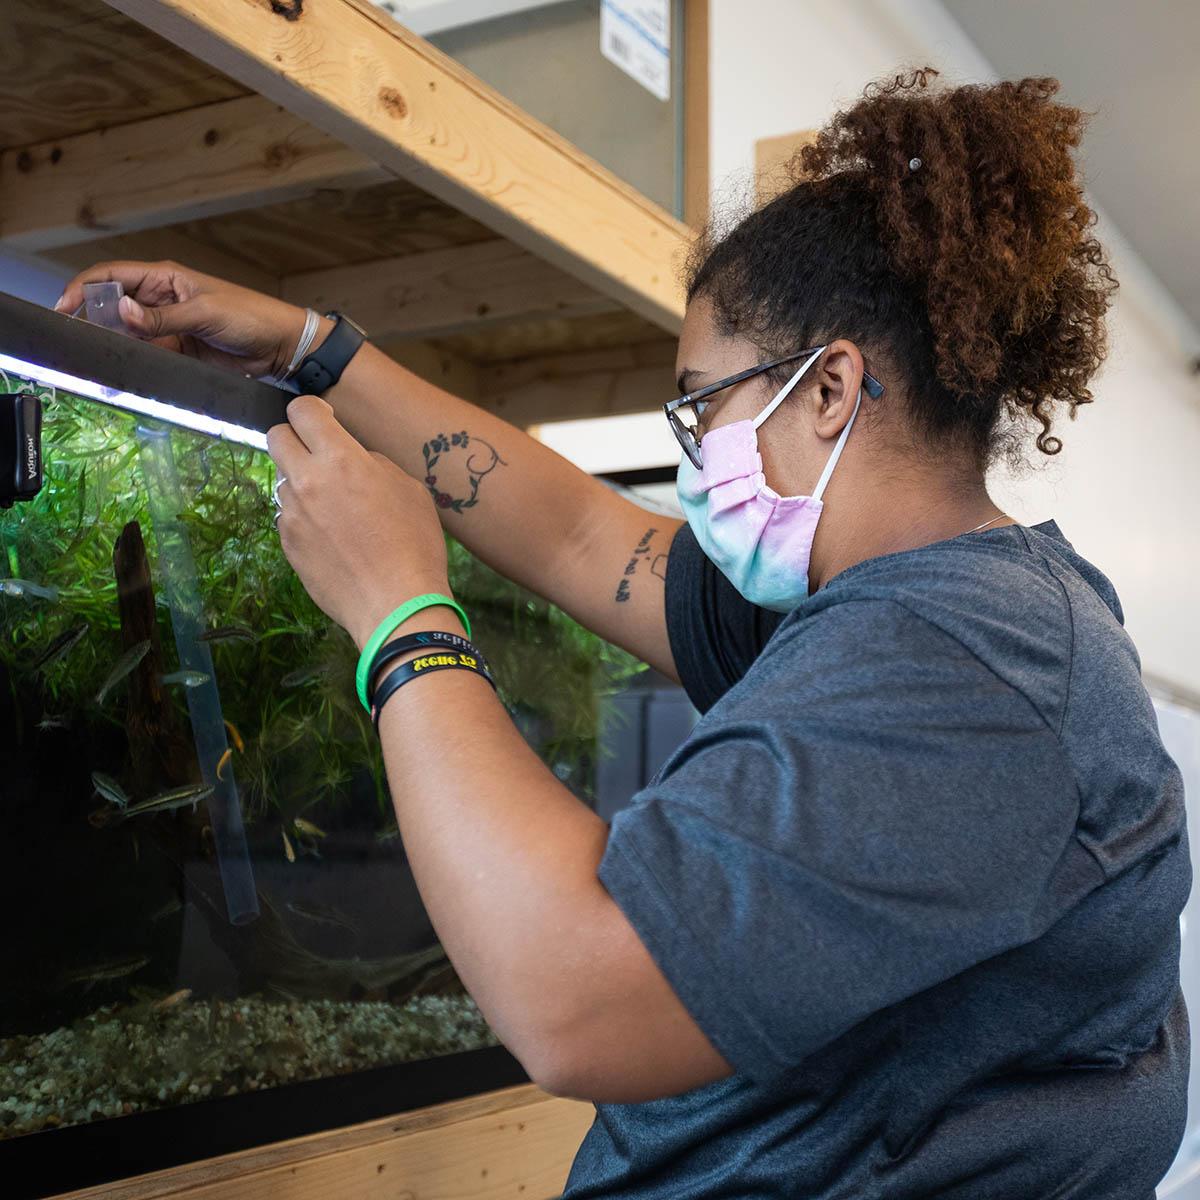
(437,446)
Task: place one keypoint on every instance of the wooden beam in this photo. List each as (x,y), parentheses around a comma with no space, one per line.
(447,291)
(695,113)
(352,71)
(600,383)
(218,158)
(500,1144)
(435,365)
(154,245)
(771,157)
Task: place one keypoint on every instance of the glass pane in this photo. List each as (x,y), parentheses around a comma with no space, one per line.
(546,59)
(134,750)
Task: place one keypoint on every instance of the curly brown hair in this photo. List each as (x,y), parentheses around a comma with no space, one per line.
(944,228)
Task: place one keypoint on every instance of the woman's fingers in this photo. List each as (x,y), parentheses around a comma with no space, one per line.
(148,283)
(312,418)
(286,449)
(188,316)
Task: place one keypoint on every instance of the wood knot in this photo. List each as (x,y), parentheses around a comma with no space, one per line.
(24,162)
(210,138)
(393,102)
(56,156)
(280,155)
(87,217)
(289,10)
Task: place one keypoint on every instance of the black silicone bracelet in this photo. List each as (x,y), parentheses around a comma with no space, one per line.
(427,639)
(425,665)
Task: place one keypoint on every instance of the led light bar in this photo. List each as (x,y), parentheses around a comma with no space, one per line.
(135,376)
(142,405)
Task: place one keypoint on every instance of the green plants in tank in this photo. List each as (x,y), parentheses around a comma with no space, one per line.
(299,739)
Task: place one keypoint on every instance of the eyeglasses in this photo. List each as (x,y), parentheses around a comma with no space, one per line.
(685,434)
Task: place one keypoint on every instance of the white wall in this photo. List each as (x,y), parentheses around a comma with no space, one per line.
(1126,488)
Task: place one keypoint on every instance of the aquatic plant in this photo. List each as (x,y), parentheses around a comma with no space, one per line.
(285,673)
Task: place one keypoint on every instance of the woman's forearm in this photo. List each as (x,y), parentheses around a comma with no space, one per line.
(513,502)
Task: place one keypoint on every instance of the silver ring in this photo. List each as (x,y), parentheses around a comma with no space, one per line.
(280,480)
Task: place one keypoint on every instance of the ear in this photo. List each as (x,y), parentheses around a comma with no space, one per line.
(839,376)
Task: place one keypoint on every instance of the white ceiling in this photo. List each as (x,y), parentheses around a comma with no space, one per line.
(1137,68)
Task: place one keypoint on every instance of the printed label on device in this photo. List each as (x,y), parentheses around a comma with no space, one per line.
(636,36)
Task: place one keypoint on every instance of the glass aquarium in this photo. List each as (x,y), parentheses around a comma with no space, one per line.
(608,77)
(205,890)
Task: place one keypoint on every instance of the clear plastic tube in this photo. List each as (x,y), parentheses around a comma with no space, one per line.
(204,702)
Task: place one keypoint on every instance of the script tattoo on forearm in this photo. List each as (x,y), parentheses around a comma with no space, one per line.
(641,554)
(477,464)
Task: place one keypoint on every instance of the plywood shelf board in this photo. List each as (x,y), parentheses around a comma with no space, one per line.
(214,158)
(80,66)
(353,72)
(337,227)
(517,1141)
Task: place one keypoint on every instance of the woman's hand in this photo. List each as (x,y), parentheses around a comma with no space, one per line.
(363,536)
(199,315)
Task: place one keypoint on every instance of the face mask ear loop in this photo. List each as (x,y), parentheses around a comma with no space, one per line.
(782,394)
(819,490)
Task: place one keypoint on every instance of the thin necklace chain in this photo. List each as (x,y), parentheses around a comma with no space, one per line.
(998,517)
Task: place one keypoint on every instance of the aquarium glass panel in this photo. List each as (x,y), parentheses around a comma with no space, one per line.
(205,891)
(565,64)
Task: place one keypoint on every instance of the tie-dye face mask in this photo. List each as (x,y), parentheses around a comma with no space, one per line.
(761,541)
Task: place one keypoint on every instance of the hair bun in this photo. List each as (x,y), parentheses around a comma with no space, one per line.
(978,203)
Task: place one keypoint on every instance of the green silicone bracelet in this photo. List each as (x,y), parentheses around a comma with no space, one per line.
(385,627)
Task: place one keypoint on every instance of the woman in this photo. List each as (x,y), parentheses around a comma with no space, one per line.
(900,918)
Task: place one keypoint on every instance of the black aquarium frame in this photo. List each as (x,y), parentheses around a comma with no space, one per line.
(34,1166)
(52,1161)
(42,337)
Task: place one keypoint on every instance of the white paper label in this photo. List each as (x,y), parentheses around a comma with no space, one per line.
(636,36)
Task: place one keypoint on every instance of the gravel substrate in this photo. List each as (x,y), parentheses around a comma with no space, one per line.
(130,1058)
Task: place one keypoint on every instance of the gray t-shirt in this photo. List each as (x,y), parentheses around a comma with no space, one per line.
(917,874)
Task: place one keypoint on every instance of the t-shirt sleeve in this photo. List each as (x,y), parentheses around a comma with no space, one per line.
(870,812)
(714,631)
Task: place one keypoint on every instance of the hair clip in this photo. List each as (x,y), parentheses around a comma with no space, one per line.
(913,163)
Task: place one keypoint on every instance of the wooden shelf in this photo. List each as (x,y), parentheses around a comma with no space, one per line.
(320,151)
(515,1142)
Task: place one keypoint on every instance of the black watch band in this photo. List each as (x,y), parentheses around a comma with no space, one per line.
(324,366)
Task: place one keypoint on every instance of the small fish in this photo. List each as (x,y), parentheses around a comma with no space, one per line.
(289,853)
(172,1000)
(223,760)
(169,909)
(238,744)
(178,797)
(50,721)
(303,675)
(307,827)
(388,835)
(102,972)
(319,914)
(189,679)
(22,589)
(228,633)
(60,647)
(122,667)
(110,789)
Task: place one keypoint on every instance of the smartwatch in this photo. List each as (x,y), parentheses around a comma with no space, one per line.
(320,370)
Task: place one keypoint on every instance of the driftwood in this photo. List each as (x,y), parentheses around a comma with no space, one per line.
(161,750)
